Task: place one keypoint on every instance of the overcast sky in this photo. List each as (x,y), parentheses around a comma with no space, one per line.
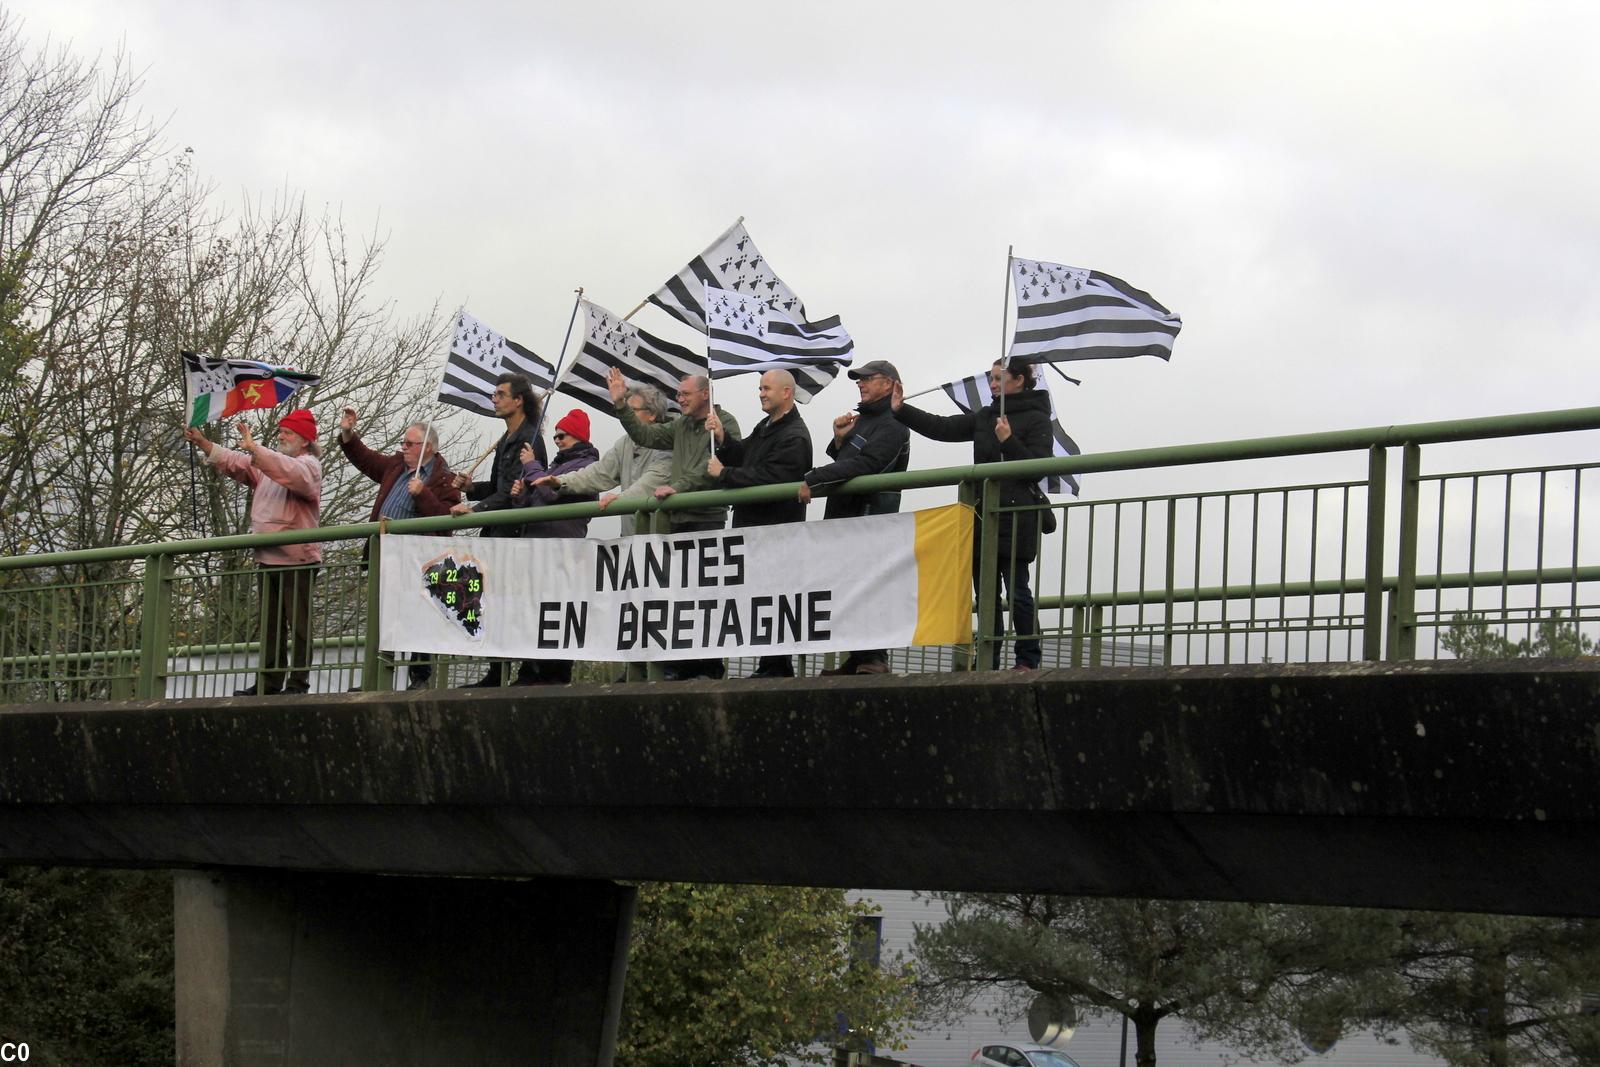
(1366,213)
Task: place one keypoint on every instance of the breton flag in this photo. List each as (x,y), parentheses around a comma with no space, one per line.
(973,393)
(731,263)
(216,388)
(746,336)
(1073,313)
(643,358)
(479,355)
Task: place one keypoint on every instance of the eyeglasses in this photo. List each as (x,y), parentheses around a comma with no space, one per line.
(561,435)
(410,444)
(868,378)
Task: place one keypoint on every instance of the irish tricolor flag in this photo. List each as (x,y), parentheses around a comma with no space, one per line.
(216,388)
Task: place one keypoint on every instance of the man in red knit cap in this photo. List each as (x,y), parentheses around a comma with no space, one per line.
(287,495)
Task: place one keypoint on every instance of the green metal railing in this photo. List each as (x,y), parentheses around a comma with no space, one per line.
(1305,571)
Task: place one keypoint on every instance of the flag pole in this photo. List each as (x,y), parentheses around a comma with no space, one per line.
(487,453)
(555,379)
(720,238)
(428,430)
(1005,306)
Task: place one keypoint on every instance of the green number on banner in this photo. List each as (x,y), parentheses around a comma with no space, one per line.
(450,576)
(433,577)
(474,585)
(450,597)
(472,616)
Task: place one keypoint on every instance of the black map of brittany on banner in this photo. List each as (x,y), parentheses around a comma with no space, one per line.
(456,589)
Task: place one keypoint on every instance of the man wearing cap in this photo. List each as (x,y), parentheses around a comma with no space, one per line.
(286,494)
(686,436)
(777,450)
(414,482)
(868,440)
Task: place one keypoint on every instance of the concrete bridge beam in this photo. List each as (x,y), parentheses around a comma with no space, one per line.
(293,969)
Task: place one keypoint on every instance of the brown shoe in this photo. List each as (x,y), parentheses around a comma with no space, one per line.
(873,667)
(847,667)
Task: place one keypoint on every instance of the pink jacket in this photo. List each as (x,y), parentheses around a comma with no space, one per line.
(288,496)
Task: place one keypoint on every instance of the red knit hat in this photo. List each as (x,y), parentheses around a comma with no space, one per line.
(300,421)
(576,423)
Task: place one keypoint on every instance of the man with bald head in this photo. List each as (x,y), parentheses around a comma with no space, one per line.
(777,450)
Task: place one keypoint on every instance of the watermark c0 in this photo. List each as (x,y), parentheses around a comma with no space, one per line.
(14,1052)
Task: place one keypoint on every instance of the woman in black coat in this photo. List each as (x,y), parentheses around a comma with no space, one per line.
(1022,433)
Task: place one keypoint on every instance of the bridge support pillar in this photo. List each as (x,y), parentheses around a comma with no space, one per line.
(299,970)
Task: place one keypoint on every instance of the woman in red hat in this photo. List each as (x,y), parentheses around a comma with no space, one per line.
(573,452)
(287,495)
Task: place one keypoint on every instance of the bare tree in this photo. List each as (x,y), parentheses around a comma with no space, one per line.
(114,258)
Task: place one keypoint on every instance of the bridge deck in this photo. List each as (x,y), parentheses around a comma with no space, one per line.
(1440,785)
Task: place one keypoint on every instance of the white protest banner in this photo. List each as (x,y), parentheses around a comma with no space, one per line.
(806,587)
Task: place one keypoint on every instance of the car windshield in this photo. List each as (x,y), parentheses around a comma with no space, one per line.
(1041,1058)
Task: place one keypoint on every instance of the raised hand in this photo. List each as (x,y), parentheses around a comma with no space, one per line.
(615,385)
(897,397)
(844,424)
(347,422)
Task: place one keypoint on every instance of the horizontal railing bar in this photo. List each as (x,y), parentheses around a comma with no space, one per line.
(1321,587)
(1529,423)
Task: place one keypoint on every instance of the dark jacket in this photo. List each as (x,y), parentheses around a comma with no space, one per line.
(774,452)
(1029,415)
(877,445)
(495,493)
(567,460)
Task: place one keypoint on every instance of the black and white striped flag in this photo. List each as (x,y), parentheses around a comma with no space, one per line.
(479,355)
(644,359)
(1073,313)
(731,263)
(973,393)
(746,336)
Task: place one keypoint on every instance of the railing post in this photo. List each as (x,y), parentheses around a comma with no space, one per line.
(963,657)
(155,627)
(377,666)
(1097,623)
(1403,601)
(1372,595)
(1172,581)
(988,573)
(1080,622)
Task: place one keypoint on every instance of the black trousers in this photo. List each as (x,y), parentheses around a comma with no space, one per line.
(286,627)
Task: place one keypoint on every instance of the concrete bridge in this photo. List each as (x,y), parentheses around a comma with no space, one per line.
(1439,785)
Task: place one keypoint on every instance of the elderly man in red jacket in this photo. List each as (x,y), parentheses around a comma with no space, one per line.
(414,482)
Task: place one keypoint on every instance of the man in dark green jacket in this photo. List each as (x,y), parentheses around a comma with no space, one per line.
(691,449)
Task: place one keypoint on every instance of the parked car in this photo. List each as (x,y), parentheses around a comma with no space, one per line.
(1022,1056)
